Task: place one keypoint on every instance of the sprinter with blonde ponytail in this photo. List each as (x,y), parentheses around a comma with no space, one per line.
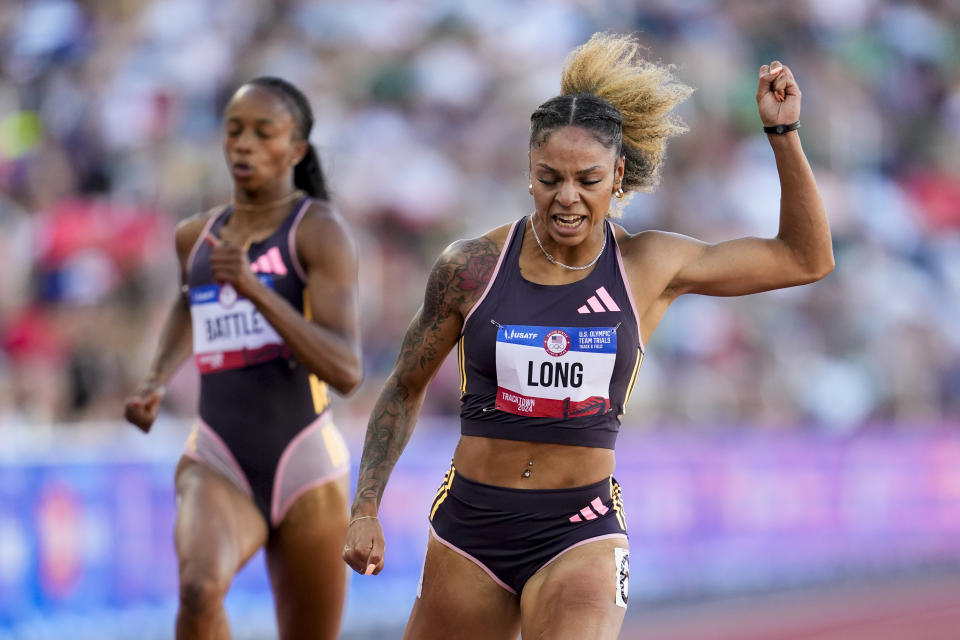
(549,316)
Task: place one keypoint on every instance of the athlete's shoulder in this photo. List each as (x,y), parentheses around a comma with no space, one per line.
(627,239)
(465,267)
(188,230)
(200,218)
(490,243)
(651,244)
(322,221)
(318,209)
(323,238)
(471,260)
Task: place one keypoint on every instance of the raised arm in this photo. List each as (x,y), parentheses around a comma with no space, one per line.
(800,253)
(175,343)
(457,279)
(326,339)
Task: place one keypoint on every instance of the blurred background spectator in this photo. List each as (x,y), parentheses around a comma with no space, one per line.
(109,134)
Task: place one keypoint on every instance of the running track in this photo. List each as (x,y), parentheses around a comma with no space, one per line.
(904,608)
(907,608)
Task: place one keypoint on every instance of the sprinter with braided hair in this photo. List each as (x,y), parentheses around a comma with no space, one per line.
(549,316)
(269,289)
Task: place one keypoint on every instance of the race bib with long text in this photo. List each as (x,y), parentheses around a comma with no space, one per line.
(555,372)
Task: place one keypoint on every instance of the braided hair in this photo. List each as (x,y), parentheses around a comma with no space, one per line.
(307,174)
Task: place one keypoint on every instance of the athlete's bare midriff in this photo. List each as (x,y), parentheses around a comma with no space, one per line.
(505,463)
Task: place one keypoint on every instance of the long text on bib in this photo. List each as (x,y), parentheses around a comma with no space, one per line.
(555,372)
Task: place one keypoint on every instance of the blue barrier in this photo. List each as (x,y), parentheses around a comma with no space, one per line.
(88,543)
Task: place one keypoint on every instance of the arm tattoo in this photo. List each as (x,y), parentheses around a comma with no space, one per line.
(476,272)
(457,280)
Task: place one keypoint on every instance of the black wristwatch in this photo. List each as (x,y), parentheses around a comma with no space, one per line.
(782,128)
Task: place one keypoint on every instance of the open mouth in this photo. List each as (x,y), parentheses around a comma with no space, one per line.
(241,170)
(568,221)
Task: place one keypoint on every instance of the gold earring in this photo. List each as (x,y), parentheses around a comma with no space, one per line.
(618,193)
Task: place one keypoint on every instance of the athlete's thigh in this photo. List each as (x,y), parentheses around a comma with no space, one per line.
(459,601)
(218,528)
(581,594)
(307,572)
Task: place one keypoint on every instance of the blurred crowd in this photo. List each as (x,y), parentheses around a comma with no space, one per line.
(110,134)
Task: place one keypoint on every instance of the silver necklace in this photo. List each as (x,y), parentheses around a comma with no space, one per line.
(253,206)
(557,262)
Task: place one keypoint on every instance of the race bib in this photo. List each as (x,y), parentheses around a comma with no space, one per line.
(555,372)
(228,330)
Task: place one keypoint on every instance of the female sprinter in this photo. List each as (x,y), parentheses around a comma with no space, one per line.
(549,316)
(269,310)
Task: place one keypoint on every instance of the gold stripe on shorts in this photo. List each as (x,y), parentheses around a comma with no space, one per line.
(615,493)
(443,490)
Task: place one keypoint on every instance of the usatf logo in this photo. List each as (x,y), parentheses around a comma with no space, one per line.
(513,334)
(556,343)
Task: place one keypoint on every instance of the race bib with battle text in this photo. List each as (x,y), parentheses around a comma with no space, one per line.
(228,330)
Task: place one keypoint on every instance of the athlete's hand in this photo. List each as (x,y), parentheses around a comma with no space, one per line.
(364,548)
(229,263)
(778,96)
(141,406)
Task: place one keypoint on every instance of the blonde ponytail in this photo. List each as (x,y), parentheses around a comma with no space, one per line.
(610,67)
